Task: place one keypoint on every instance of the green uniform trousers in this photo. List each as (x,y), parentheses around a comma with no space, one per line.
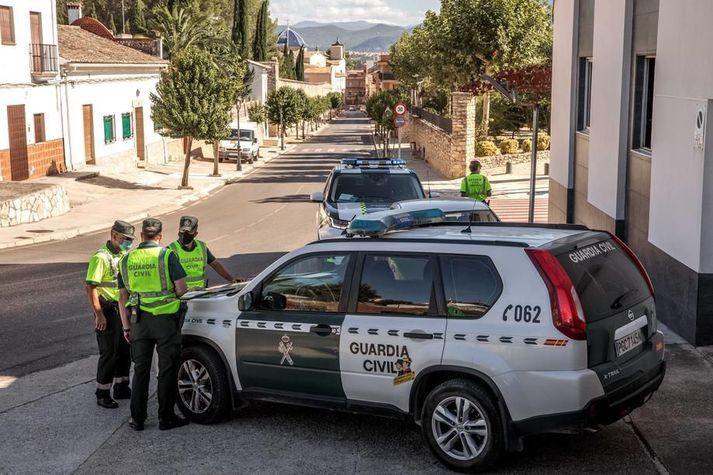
(114,360)
(163,333)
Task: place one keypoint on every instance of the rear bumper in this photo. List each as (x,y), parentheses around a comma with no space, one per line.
(599,412)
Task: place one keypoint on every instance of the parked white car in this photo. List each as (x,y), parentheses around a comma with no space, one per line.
(246,137)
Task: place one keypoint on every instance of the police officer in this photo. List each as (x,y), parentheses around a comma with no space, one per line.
(103,295)
(475,185)
(195,255)
(151,280)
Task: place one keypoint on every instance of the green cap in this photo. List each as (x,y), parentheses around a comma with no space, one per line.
(188,224)
(123,228)
(152,226)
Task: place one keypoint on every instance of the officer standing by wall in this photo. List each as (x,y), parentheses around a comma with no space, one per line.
(103,295)
(195,256)
(151,280)
(475,185)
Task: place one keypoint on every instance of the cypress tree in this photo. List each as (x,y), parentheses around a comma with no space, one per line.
(139,17)
(291,62)
(260,39)
(112,25)
(300,66)
(239,33)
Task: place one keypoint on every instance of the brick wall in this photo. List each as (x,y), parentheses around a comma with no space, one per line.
(46,158)
(5,165)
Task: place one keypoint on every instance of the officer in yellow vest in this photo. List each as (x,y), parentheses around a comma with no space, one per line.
(475,185)
(151,280)
(195,255)
(103,294)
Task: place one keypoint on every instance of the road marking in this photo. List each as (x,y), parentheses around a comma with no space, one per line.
(331,150)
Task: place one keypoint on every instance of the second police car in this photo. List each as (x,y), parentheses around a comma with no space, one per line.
(481,334)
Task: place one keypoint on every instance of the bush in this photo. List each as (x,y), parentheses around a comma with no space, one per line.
(543,142)
(509,146)
(485,148)
(526,145)
(256,113)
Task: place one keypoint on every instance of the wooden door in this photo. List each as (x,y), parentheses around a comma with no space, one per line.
(16,126)
(139,117)
(36,39)
(88,115)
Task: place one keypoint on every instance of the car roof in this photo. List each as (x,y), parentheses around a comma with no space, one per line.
(447,205)
(344,170)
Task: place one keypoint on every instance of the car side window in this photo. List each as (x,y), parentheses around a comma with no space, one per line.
(472,285)
(401,285)
(309,284)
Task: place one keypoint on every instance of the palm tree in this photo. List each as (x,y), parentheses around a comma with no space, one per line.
(180,28)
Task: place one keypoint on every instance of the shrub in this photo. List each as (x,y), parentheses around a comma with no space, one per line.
(526,145)
(256,113)
(485,148)
(509,146)
(543,142)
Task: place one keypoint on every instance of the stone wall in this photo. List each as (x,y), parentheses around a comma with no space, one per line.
(496,164)
(33,207)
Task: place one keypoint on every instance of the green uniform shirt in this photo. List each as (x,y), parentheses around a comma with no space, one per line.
(475,186)
(103,271)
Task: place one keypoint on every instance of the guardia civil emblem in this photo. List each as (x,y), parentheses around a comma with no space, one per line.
(285,346)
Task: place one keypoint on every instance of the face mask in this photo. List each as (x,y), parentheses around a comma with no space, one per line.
(126,244)
(187,239)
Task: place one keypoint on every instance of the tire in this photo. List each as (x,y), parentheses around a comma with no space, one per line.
(203,366)
(471,451)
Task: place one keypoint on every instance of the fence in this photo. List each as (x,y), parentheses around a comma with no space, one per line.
(441,122)
(43,58)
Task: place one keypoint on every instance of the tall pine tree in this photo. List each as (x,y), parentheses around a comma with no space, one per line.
(239,32)
(260,39)
(112,24)
(139,17)
(300,65)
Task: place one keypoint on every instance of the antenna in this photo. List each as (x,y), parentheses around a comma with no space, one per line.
(468,230)
(428,181)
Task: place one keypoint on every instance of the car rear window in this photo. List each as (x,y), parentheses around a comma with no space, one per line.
(606,279)
(375,187)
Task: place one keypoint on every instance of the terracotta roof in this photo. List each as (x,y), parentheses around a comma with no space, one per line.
(93,25)
(317,69)
(77,45)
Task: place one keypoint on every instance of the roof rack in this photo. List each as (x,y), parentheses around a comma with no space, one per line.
(381,163)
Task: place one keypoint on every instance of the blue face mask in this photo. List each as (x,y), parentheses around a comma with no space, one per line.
(126,244)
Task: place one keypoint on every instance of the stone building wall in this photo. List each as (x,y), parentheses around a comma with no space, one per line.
(33,207)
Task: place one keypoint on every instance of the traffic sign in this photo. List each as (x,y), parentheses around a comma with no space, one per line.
(399,121)
(400,108)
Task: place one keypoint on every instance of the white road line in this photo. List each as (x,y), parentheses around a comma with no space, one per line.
(330,150)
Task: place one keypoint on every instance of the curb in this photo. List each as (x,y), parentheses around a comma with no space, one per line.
(163,209)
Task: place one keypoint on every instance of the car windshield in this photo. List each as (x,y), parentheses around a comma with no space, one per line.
(244,134)
(373,187)
(480,216)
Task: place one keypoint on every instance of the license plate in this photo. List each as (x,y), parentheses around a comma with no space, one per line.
(627,343)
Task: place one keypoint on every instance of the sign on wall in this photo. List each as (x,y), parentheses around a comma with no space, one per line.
(699,132)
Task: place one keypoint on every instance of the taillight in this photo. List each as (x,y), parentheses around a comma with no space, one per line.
(567,314)
(636,261)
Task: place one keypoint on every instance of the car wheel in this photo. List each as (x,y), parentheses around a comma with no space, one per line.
(461,426)
(203,386)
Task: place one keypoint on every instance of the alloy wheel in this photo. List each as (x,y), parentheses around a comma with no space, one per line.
(459,428)
(195,387)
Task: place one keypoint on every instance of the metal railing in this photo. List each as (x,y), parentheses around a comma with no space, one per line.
(43,58)
(443,123)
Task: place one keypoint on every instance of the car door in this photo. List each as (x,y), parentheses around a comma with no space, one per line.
(289,343)
(395,327)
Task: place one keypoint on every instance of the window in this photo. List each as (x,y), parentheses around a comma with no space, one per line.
(109,134)
(126,129)
(310,284)
(39,120)
(377,186)
(643,102)
(397,285)
(584,95)
(472,285)
(7,27)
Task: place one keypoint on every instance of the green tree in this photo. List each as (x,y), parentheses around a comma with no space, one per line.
(283,110)
(112,24)
(300,65)
(287,64)
(180,29)
(302,111)
(192,101)
(260,48)
(139,17)
(256,113)
(380,109)
(239,33)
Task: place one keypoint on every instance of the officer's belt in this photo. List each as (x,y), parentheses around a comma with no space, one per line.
(148,295)
(107,285)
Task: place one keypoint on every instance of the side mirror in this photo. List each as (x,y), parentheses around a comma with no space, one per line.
(317,197)
(245,302)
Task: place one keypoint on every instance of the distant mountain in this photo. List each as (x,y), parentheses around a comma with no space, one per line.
(376,37)
(346,25)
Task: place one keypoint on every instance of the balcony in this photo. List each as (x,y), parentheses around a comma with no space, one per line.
(44,62)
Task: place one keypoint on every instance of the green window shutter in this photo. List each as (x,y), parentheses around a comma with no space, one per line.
(126,126)
(108,129)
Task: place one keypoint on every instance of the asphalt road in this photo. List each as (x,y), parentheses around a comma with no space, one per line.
(45,320)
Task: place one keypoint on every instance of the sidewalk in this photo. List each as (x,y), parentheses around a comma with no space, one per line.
(94,196)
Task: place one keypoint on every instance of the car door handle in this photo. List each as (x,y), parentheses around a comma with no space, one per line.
(321,330)
(419,335)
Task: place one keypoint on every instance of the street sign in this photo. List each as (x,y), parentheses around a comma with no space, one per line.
(399,121)
(400,108)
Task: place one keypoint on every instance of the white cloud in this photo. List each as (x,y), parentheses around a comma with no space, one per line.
(345,10)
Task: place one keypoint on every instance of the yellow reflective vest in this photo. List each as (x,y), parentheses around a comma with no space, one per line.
(193,262)
(144,272)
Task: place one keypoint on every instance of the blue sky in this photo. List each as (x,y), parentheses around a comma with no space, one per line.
(400,12)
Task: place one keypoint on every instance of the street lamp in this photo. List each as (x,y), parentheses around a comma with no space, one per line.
(511,94)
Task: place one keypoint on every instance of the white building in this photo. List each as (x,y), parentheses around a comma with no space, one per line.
(259,85)
(632,92)
(31,132)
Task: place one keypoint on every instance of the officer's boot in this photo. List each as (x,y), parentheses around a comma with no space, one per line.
(104,399)
(122,390)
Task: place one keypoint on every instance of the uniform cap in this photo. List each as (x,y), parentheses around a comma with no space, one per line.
(152,225)
(123,228)
(188,224)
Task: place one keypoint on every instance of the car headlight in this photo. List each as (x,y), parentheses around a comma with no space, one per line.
(338,223)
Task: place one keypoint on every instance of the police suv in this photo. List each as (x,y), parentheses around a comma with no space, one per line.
(356,187)
(481,334)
